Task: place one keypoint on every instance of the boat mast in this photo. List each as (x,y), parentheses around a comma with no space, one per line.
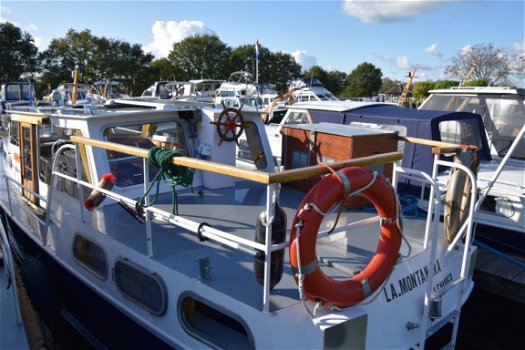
(257,62)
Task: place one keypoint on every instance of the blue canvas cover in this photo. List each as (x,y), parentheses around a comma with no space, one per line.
(423,124)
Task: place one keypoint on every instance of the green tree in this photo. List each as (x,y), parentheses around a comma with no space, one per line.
(317,72)
(201,57)
(243,58)
(279,68)
(363,81)
(492,65)
(480,82)
(163,69)
(445,84)
(420,90)
(18,54)
(391,87)
(276,68)
(335,81)
(63,54)
(96,58)
(120,59)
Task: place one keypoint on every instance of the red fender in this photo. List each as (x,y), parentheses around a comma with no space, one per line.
(96,197)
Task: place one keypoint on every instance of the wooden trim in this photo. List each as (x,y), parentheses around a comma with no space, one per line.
(438,147)
(199,164)
(252,175)
(35,119)
(315,170)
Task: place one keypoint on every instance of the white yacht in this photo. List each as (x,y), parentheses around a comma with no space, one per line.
(310,89)
(501,218)
(142,231)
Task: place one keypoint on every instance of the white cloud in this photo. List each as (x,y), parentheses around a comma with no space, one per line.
(40,42)
(397,62)
(465,50)
(31,28)
(304,59)
(4,11)
(165,33)
(519,46)
(402,62)
(433,50)
(384,11)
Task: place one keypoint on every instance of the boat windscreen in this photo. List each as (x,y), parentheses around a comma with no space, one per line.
(508,117)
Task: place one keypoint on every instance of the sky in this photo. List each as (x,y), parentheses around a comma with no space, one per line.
(395,36)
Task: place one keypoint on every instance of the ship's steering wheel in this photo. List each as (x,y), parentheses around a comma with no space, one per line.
(230,124)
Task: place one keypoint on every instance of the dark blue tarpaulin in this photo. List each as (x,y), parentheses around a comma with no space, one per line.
(423,124)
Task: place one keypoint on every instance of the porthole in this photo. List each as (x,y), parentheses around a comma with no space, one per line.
(143,287)
(212,325)
(91,256)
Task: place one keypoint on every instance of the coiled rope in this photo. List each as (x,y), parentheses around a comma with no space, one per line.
(172,174)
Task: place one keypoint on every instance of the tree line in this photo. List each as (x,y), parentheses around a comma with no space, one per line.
(207,57)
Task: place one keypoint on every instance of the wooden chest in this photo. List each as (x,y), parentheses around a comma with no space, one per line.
(308,144)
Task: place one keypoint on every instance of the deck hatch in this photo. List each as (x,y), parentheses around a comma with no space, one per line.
(143,287)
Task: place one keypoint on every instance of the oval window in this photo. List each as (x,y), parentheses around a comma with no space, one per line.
(143,287)
(90,255)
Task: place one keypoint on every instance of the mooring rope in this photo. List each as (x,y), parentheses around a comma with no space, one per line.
(172,175)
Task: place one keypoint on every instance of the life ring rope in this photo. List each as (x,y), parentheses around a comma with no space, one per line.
(301,275)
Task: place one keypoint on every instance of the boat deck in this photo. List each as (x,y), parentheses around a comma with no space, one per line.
(234,210)
(499,276)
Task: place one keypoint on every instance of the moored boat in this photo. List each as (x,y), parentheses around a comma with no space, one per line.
(220,254)
(501,219)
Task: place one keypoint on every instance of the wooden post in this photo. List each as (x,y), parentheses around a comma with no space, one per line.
(75,86)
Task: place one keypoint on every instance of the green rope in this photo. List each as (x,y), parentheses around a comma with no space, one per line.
(172,175)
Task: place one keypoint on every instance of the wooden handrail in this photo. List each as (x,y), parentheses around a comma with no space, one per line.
(246,174)
(316,170)
(438,147)
(199,164)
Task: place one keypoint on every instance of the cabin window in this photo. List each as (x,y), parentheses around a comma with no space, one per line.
(454,103)
(461,132)
(250,147)
(129,169)
(16,92)
(13,132)
(66,164)
(48,136)
(297,118)
(91,256)
(213,326)
(141,286)
(508,117)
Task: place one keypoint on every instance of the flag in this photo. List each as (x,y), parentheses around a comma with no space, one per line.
(257,50)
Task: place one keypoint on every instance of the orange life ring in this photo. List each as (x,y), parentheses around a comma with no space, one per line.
(459,193)
(317,286)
